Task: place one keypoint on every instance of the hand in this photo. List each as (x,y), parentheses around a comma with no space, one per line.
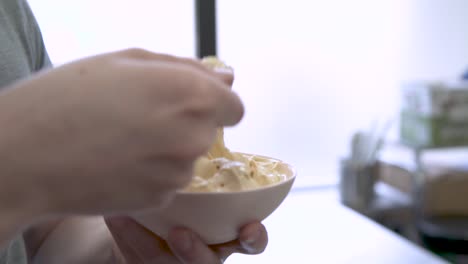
(137,245)
(111,133)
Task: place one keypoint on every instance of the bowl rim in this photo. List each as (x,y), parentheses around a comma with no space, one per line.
(288,180)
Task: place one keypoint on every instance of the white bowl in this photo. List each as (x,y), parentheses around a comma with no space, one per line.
(217,217)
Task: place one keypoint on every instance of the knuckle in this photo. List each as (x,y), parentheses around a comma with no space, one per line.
(193,150)
(195,64)
(182,174)
(136,53)
(198,97)
(238,109)
(158,198)
(202,141)
(205,93)
(195,143)
(158,187)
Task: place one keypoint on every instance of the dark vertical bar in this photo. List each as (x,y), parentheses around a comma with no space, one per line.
(205,21)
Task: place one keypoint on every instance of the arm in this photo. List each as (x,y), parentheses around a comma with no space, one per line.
(16,207)
(88,240)
(79,240)
(81,102)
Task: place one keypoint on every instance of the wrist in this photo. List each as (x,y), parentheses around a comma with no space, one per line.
(18,209)
(20,202)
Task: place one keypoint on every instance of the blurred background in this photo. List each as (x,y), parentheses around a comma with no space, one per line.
(311,74)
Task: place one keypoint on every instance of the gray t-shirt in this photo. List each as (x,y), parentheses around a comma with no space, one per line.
(22,53)
(22,50)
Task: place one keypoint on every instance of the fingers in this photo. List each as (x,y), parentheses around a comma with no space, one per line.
(141,54)
(253,239)
(226,75)
(125,250)
(215,83)
(213,96)
(229,108)
(189,248)
(137,244)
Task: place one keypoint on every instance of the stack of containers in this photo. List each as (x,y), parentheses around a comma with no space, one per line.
(434,115)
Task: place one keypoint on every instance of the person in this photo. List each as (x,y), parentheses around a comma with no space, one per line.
(86,143)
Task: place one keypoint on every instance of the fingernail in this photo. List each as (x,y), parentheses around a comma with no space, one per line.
(223,70)
(182,241)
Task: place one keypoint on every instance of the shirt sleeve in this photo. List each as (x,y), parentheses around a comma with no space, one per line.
(39,56)
(14,253)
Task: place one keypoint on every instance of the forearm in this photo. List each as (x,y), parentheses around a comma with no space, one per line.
(16,212)
(22,202)
(77,240)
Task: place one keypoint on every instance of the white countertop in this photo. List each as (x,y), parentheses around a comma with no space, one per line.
(313,227)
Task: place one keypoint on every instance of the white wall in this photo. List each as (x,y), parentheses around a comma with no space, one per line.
(437,45)
(76,28)
(310,72)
